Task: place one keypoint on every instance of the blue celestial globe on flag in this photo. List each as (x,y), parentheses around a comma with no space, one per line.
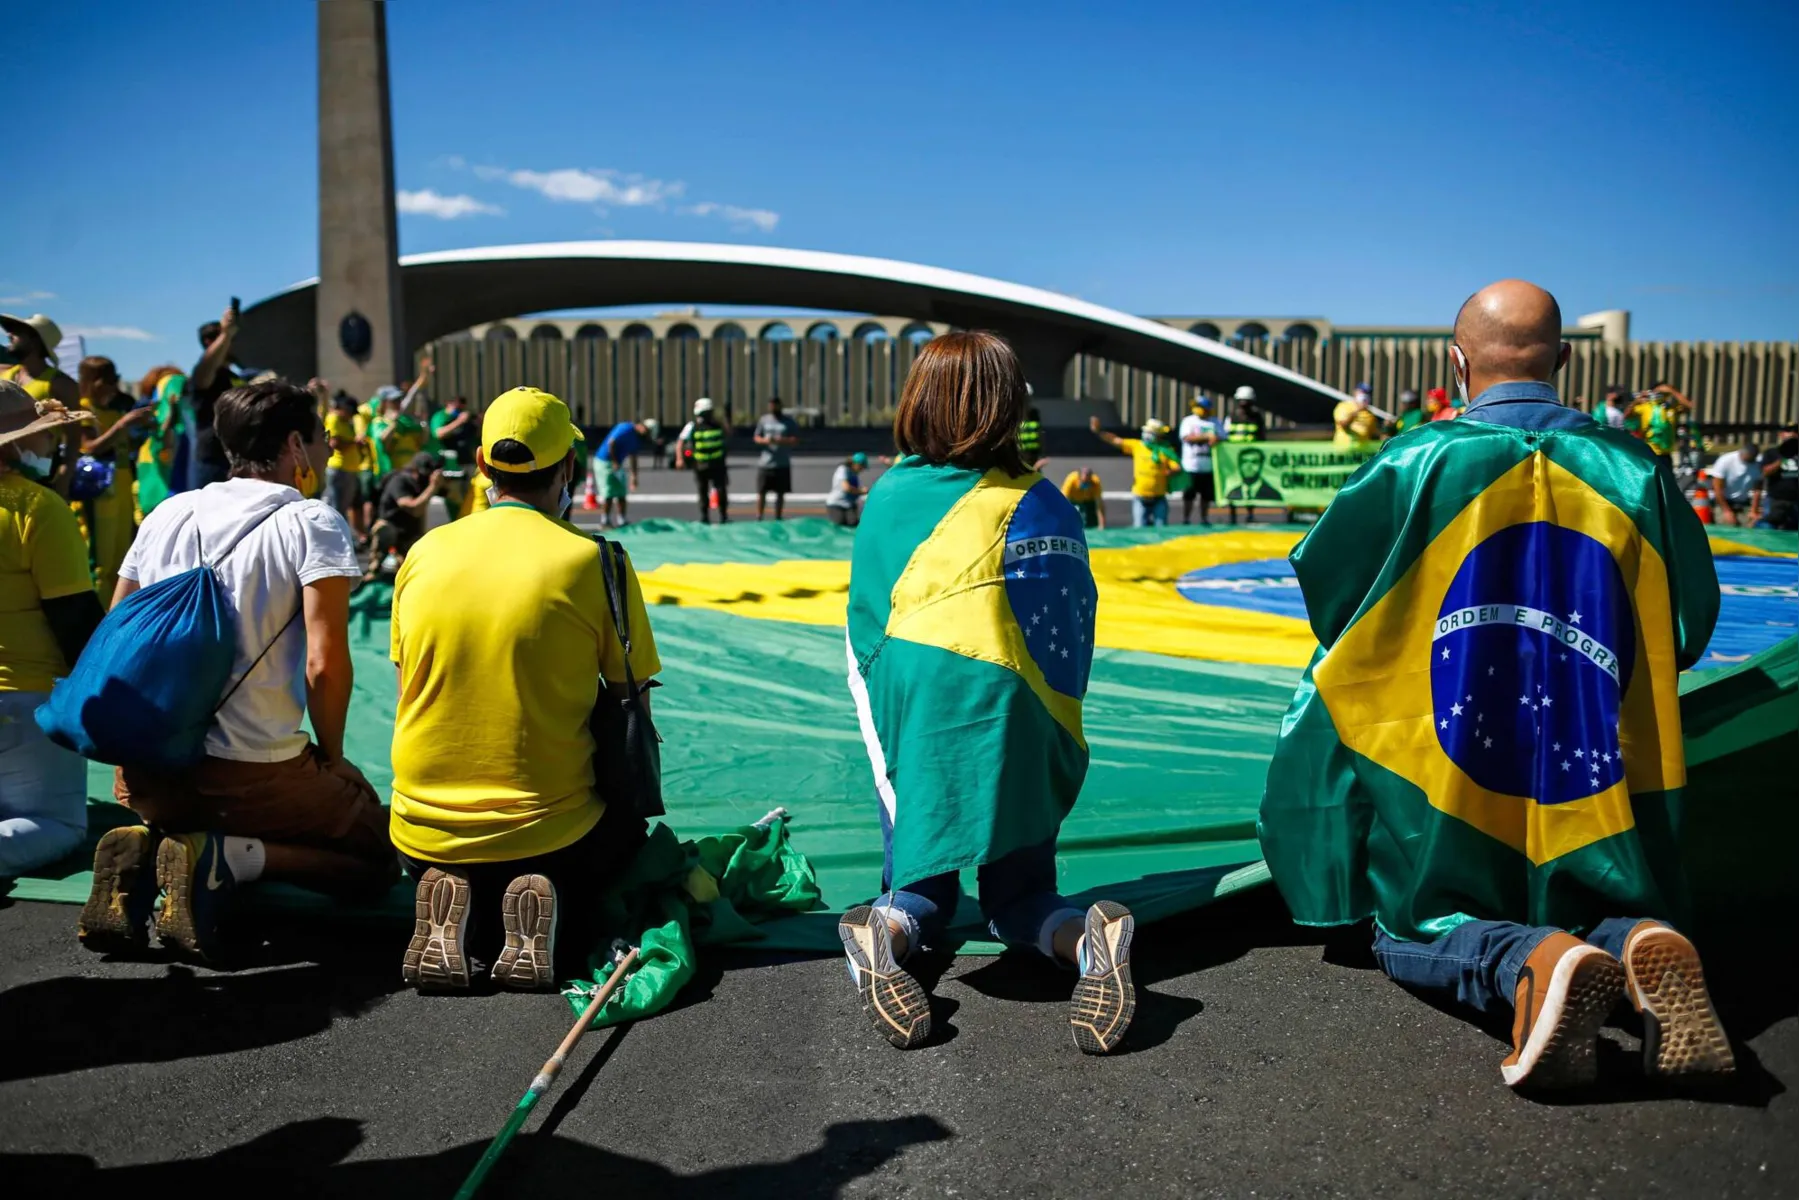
(1532,652)
(1050,586)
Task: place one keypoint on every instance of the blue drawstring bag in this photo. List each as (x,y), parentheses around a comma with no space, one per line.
(153,675)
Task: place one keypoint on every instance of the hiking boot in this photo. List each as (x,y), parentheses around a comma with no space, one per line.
(895,1002)
(1682,1035)
(1566,989)
(527,961)
(197,884)
(122,903)
(435,960)
(1104,999)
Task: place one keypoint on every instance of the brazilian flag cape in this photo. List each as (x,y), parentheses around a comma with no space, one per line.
(1491,725)
(970,629)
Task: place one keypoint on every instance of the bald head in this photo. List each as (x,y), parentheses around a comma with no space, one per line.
(1509,331)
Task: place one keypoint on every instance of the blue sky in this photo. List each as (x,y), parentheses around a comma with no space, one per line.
(1365,163)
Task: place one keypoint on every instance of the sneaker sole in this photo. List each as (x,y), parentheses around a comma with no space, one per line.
(895,1002)
(175,925)
(1682,1035)
(1561,1051)
(528,913)
(104,923)
(1100,1013)
(434,959)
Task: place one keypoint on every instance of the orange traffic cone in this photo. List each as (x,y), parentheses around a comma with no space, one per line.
(590,499)
(1702,498)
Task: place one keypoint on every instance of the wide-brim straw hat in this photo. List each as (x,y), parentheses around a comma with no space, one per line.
(21,416)
(47,331)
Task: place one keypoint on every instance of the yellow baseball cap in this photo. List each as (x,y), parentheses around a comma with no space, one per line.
(531,416)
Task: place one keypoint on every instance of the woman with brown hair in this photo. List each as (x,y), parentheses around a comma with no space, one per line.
(971,615)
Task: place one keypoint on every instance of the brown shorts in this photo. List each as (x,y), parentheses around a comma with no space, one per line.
(299,802)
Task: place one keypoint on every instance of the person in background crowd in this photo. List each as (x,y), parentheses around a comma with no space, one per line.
(777,435)
(162,459)
(455,432)
(1198,434)
(1244,425)
(1655,418)
(656,443)
(974,769)
(267,801)
(504,641)
(1738,486)
(618,451)
(215,374)
(1411,412)
(1085,492)
(844,503)
(1357,426)
(111,516)
(1030,437)
(396,436)
(1441,408)
(33,345)
(1152,463)
(406,496)
(48,611)
(704,439)
(343,470)
(1780,478)
(1610,412)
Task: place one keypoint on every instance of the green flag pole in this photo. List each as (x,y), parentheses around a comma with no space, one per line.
(546,1077)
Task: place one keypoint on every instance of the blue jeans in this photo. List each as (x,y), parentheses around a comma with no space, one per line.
(1149,512)
(43,790)
(1479,960)
(1017,893)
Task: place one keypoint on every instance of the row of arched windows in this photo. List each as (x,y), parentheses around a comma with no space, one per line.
(1255,331)
(773,331)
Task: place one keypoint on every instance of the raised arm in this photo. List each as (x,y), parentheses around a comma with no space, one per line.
(1109,438)
(217,354)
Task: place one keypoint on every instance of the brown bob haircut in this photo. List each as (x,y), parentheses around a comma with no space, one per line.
(962,403)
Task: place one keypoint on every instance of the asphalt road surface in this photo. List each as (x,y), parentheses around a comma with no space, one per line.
(671,494)
(1264,1062)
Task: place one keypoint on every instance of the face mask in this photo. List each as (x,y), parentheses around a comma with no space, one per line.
(1461,381)
(564,502)
(35,466)
(307,482)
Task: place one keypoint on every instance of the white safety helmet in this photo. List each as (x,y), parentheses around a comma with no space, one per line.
(702,405)
(1245,393)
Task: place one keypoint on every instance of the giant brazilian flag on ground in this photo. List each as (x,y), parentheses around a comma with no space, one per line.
(1199,643)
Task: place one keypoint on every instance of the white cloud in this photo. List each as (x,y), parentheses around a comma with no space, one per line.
(26,297)
(572,185)
(127,333)
(759,218)
(445,208)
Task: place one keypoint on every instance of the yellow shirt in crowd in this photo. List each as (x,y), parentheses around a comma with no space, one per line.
(42,557)
(1079,493)
(1149,471)
(1364,426)
(337,425)
(501,632)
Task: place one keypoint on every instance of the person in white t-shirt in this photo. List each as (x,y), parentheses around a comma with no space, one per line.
(1738,486)
(267,801)
(1198,434)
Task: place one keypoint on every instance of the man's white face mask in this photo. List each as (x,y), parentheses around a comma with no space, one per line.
(1461,373)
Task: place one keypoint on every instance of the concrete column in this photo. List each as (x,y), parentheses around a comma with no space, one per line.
(359,269)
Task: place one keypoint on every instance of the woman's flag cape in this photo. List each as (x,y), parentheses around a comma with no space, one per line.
(970,640)
(1491,727)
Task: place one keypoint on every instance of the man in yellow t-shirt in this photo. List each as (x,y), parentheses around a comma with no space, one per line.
(504,641)
(343,470)
(1357,425)
(1083,490)
(1153,461)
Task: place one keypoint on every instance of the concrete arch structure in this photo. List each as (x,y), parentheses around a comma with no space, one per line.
(452,290)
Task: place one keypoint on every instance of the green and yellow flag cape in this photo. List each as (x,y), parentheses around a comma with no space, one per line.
(971,623)
(1491,725)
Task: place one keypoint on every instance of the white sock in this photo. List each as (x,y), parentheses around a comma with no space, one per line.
(245,856)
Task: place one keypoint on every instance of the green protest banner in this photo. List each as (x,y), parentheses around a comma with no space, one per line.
(1284,474)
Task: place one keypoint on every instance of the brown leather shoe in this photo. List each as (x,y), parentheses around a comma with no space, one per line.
(1566,989)
(1682,1036)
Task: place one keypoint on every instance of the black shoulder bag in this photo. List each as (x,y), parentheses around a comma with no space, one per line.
(627,759)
